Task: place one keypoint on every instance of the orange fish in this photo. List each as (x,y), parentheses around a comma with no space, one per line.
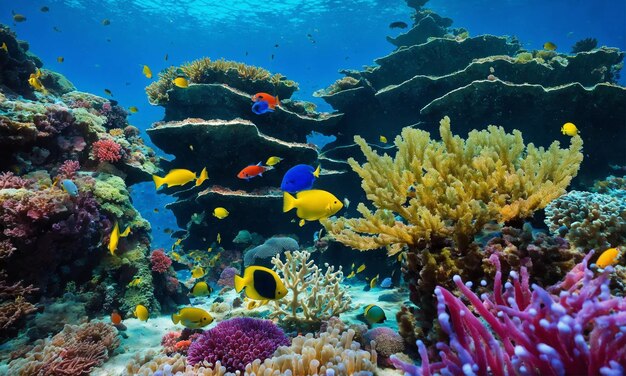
(252,171)
(272,102)
(116,318)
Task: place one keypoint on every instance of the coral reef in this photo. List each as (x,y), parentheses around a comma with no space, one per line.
(386,342)
(584,45)
(588,220)
(236,343)
(227,277)
(314,295)
(572,327)
(106,150)
(490,176)
(160,261)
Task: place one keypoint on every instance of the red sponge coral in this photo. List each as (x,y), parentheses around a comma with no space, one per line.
(107,150)
(160,262)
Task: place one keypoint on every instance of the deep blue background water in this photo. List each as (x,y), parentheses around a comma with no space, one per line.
(347,34)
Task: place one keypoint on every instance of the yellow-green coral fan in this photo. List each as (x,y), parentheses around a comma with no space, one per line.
(453,187)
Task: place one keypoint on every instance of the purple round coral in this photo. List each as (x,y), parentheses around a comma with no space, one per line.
(237,342)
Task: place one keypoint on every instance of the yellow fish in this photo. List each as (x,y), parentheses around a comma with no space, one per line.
(220,213)
(192,318)
(178,241)
(210,249)
(35,82)
(219,238)
(201,289)
(260,283)
(176,177)
(360,268)
(214,260)
(147,72)
(181,82)
(373,282)
(301,223)
(60,59)
(252,304)
(115,237)
(133,109)
(134,282)
(312,204)
(19,17)
(197,272)
(352,266)
(175,256)
(203,176)
(569,129)
(271,161)
(141,313)
(350,275)
(608,257)
(4,47)
(374,314)
(549,46)
(383,139)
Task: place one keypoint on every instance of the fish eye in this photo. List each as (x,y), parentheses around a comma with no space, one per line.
(204,318)
(335,202)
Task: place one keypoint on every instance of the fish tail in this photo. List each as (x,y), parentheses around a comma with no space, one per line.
(316,173)
(175,318)
(125,233)
(289,202)
(158,181)
(239,283)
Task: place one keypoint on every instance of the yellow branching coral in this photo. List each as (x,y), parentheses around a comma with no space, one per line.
(453,187)
(314,295)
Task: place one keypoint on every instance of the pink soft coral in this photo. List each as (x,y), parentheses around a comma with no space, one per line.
(160,262)
(68,169)
(107,150)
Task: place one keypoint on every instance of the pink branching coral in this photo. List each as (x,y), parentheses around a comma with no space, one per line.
(9,180)
(574,327)
(168,342)
(68,169)
(160,261)
(237,342)
(107,150)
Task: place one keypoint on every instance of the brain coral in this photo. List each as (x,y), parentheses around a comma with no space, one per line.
(237,342)
(589,220)
(269,249)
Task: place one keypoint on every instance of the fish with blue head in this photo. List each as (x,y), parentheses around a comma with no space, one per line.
(299,178)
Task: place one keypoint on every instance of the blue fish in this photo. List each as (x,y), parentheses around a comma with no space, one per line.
(261,107)
(299,178)
(386,283)
(69,187)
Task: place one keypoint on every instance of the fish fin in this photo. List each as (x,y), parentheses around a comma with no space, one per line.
(125,233)
(55,182)
(259,164)
(175,318)
(316,173)
(239,283)
(158,181)
(289,202)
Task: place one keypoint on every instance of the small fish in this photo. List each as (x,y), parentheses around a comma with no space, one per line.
(56,29)
(18,17)
(386,283)
(106,22)
(271,161)
(209,250)
(301,223)
(346,202)
(351,275)
(374,314)
(108,92)
(201,289)
(60,59)
(34,81)
(175,256)
(116,319)
(220,213)
(398,25)
(299,178)
(312,205)
(190,147)
(176,177)
(4,47)
(260,283)
(192,318)
(352,267)
(272,101)
(213,261)
(382,139)
(44,9)
(253,171)
(361,268)
(272,57)
(203,176)
(167,230)
(69,187)
(146,71)
(166,57)
(134,282)
(141,313)
(549,46)
(178,241)
(276,45)
(261,107)
(373,282)
(133,109)
(115,237)
(569,129)
(197,272)
(181,82)
(608,257)
(219,238)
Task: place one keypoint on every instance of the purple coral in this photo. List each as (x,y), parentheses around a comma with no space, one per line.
(388,342)
(227,277)
(54,121)
(576,327)
(237,342)
(160,261)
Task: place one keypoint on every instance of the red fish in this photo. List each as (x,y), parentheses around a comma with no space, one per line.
(271,101)
(116,318)
(252,171)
